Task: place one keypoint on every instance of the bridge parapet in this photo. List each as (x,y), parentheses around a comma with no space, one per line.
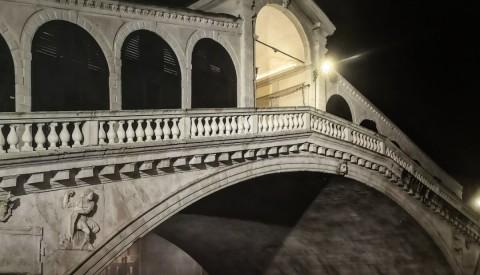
(362,109)
(76,137)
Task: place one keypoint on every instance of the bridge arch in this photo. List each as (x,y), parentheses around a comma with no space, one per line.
(194,191)
(40,18)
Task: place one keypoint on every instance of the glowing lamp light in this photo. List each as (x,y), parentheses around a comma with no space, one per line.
(326,67)
(477,202)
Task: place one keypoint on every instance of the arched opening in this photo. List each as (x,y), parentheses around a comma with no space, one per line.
(369,124)
(7,78)
(298,223)
(69,69)
(280,57)
(151,77)
(337,105)
(214,79)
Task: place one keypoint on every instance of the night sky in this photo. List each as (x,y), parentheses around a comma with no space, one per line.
(416,63)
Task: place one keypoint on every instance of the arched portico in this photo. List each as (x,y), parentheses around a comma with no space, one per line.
(176,200)
(47,15)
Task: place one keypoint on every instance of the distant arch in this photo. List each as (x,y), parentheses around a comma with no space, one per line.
(151,74)
(7,78)
(337,105)
(69,69)
(369,124)
(214,77)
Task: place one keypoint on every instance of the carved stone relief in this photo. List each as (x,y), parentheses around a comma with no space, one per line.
(79,227)
(342,167)
(6,205)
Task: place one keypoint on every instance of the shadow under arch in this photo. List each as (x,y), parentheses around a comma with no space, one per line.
(369,124)
(337,105)
(7,78)
(151,73)
(69,70)
(214,77)
(174,203)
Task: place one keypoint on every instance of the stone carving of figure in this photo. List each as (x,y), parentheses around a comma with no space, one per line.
(79,220)
(285,4)
(342,167)
(6,205)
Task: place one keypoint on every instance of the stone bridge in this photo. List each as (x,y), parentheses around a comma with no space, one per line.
(100,143)
(145,166)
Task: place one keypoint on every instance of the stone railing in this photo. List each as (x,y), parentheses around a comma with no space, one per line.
(36,134)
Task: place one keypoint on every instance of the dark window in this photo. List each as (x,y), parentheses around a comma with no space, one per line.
(151,77)
(214,80)
(7,78)
(369,124)
(69,70)
(338,106)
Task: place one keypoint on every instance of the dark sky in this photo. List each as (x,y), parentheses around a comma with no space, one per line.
(418,66)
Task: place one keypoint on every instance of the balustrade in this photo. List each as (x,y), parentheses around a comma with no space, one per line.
(211,126)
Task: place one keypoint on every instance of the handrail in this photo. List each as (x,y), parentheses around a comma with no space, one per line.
(22,134)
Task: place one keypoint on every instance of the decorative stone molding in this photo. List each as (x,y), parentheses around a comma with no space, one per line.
(79,224)
(6,205)
(152,13)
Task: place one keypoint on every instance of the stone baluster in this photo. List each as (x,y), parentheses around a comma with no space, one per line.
(121,134)
(260,125)
(175,129)
(246,124)
(101,133)
(111,135)
(264,123)
(40,138)
(275,123)
(290,121)
(207,127)
(26,139)
(200,127)
(166,129)
(149,130)
(335,130)
(12,139)
(2,140)
(139,132)
(77,135)
(240,125)
(285,122)
(214,126)
(234,125)
(315,123)
(301,121)
(228,126)
(64,136)
(270,123)
(52,137)
(221,126)
(295,122)
(158,129)
(281,123)
(130,132)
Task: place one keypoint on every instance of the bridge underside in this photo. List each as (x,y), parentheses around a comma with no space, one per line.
(296,223)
